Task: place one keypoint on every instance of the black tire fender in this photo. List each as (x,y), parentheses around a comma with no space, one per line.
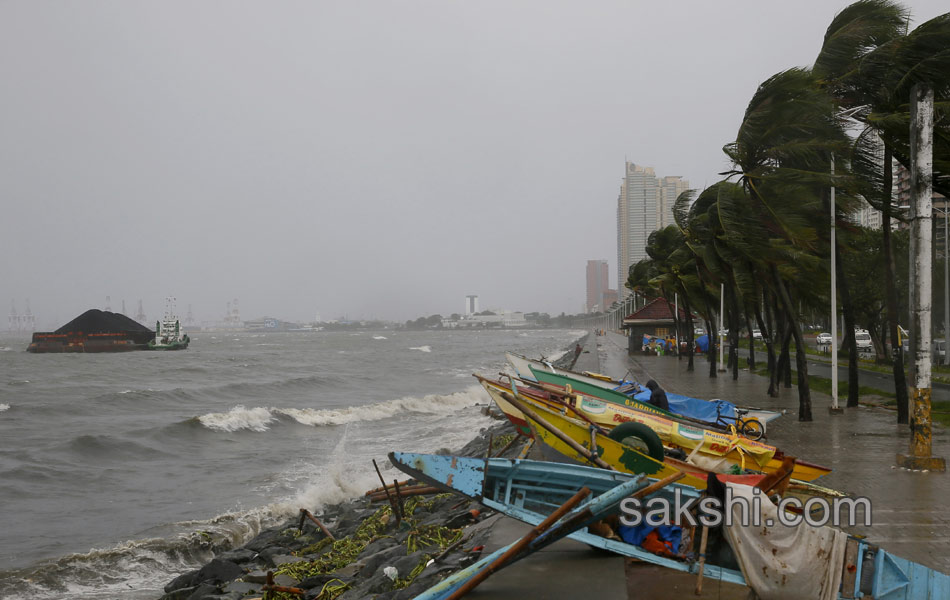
(646,436)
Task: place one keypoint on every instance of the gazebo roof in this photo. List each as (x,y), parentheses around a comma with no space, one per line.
(659,310)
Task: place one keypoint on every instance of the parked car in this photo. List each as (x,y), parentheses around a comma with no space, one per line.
(756,334)
(862,339)
(939,351)
(823,339)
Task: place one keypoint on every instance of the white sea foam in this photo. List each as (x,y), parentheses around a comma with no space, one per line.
(239,417)
(431,404)
(4,407)
(6,349)
(422,348)
(380,337)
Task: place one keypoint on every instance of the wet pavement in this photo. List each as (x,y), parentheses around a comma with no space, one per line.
(861,445)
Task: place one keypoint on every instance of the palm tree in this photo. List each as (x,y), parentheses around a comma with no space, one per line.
(868,63)
(781,155)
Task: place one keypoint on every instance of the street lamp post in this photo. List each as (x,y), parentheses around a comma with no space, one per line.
(834,409)
(722,309)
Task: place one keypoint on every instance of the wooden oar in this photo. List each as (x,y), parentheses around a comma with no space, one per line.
(556,432)
(521,544)
(702,560)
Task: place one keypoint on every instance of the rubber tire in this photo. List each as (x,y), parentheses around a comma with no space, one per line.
(752,429)
(643,433)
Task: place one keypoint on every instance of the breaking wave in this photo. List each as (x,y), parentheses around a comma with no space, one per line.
(4,407)
(422,348)
(259,418)
(255,419)
(380,337)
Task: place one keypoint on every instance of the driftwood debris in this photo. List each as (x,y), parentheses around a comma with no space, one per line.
(306,514)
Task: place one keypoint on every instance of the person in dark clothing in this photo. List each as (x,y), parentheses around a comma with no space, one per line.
(657,396)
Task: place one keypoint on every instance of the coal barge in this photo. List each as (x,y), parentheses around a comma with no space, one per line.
(94,331)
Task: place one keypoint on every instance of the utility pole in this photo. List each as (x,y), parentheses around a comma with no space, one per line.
(946,284)
(921,173)
(834,408)
(722,309)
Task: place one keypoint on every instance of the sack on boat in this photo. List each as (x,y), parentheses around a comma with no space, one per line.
(782,562)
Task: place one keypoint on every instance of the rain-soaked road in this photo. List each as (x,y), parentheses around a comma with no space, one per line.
(909,515)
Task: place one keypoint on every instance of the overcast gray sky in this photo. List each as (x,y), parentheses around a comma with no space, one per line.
(374,159)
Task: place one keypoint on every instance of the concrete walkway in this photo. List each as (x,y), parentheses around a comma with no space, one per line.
(908,513)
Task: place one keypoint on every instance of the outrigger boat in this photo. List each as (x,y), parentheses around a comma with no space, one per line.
(716,414)
(560,438)
(709,451)
(532,491)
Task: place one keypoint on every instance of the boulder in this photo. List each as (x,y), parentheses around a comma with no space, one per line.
(185,580)
(219,571)
(238,556)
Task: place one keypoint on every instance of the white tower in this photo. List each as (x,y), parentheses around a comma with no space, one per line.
(471,305)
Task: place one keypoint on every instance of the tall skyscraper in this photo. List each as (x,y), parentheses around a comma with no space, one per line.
(670,188)
(645,205)
(597,285)
(636,217)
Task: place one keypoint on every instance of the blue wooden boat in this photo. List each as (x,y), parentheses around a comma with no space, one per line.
(529,490)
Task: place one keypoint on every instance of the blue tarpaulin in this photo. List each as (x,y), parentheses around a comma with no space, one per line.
(703,343)
(637,534)
(704,410)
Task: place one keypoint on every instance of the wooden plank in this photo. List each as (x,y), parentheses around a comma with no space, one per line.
(849,567)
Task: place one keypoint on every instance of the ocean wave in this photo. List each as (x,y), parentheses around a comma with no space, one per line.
(380,337)
(430,404)
(239,417)
(141,568)
(19,382)
(422,348)
(137,569)
(260,418)
(108,447)
(232,391)
(6,349)
(4,407)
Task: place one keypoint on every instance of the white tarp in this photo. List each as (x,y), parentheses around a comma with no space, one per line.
(782,562)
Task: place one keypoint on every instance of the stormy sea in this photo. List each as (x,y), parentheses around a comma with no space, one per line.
(120,471)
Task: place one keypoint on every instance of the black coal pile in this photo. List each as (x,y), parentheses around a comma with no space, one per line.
(100,321)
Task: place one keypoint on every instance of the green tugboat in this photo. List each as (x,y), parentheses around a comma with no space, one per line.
(168,332)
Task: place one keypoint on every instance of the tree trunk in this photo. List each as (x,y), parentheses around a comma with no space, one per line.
(770,339)
(711,332)
(676,327)
(848,309)
(748,324)
(782,369)
(689,334)
(767,337)
(734,332)
(900,382)
(804,392)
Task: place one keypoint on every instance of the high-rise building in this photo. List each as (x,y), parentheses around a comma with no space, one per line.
(471,305)
(670,188)
(597,285)
(645,204)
